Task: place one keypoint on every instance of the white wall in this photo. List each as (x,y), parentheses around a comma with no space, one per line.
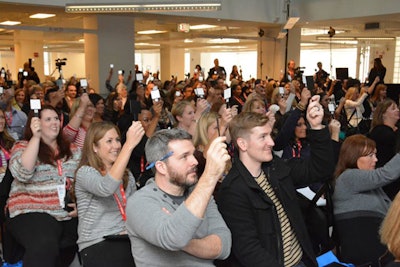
(75,65)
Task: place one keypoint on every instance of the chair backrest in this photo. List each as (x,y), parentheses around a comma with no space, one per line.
(359,241)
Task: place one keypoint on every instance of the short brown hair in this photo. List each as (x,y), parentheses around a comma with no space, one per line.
(242,124)
(381,108)
(352,149)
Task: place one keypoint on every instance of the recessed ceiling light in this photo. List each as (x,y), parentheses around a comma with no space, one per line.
(146,44)
(150,32)
(10,23)
(223,41)
(188,41)
(41,16)
(202,26)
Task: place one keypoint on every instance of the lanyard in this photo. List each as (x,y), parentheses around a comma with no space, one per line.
(141,164)
(122,205)
(59,167)
(299,147)
(9,118)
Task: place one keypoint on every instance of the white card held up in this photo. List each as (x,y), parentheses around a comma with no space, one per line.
(35,104)
(227,93)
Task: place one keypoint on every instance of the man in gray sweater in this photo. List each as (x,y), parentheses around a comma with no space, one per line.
(173,220)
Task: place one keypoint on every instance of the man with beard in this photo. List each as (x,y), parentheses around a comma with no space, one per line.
(173,220)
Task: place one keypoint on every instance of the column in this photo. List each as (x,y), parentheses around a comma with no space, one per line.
(29,44)
(271,58)
(172,62)
(112,43)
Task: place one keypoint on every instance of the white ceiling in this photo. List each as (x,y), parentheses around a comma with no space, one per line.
(63,32)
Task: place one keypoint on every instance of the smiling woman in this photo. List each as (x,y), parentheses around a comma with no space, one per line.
(359,201)
(43,167)
(103,185)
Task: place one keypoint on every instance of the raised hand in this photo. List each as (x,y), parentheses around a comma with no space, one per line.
(315,113)
(217,157)
(36,127)
(134,134)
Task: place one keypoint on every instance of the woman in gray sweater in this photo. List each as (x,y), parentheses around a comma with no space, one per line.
(102,186)
(359,202)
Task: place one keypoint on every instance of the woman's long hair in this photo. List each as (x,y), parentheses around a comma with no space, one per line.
(6,140)
(96,131)
(46,154)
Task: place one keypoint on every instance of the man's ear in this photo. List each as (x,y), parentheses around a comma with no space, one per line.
(242,143)
(161,167)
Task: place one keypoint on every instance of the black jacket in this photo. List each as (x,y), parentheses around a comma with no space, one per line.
(251,215)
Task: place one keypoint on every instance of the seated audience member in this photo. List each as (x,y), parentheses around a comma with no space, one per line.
(98,103)
(390,231)
(186,115)
(209,127)
(43,166)
(137,162)
(81,116)
(113,108)
(359,202)
(19,99)
(54,97)
(102,186)
(173,220)
(237,97)
(6,143)
(15,119)
(257,197)
(386,136)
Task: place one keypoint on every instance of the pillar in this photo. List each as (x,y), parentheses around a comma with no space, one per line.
(29,44)
(172,62)
(111,43)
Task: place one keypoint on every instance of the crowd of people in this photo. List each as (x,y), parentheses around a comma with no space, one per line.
(198,172)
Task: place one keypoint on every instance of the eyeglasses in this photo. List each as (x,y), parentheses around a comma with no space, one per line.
(152,164)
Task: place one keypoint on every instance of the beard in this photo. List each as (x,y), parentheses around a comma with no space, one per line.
(185,180)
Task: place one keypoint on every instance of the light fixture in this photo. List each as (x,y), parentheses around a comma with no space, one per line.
(223,41)
(151,32)
(282,34)
(322,38)
(146,44)
(202,26)
(41,16)
(10,23)
(210,5)
(188,41)
(291,22)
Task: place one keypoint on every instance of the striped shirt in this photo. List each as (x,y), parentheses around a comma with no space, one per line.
(75,136)
(37,190)
(292,252)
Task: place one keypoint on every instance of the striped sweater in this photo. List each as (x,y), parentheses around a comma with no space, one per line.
(36,191)
(98,210)
(75,136)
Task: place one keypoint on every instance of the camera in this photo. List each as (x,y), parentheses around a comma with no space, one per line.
(331,32)
(60,62)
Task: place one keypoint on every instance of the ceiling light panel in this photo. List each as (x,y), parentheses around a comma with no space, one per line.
(151,32)
(10,23)
(145,7)
(202,27)
(41,16)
